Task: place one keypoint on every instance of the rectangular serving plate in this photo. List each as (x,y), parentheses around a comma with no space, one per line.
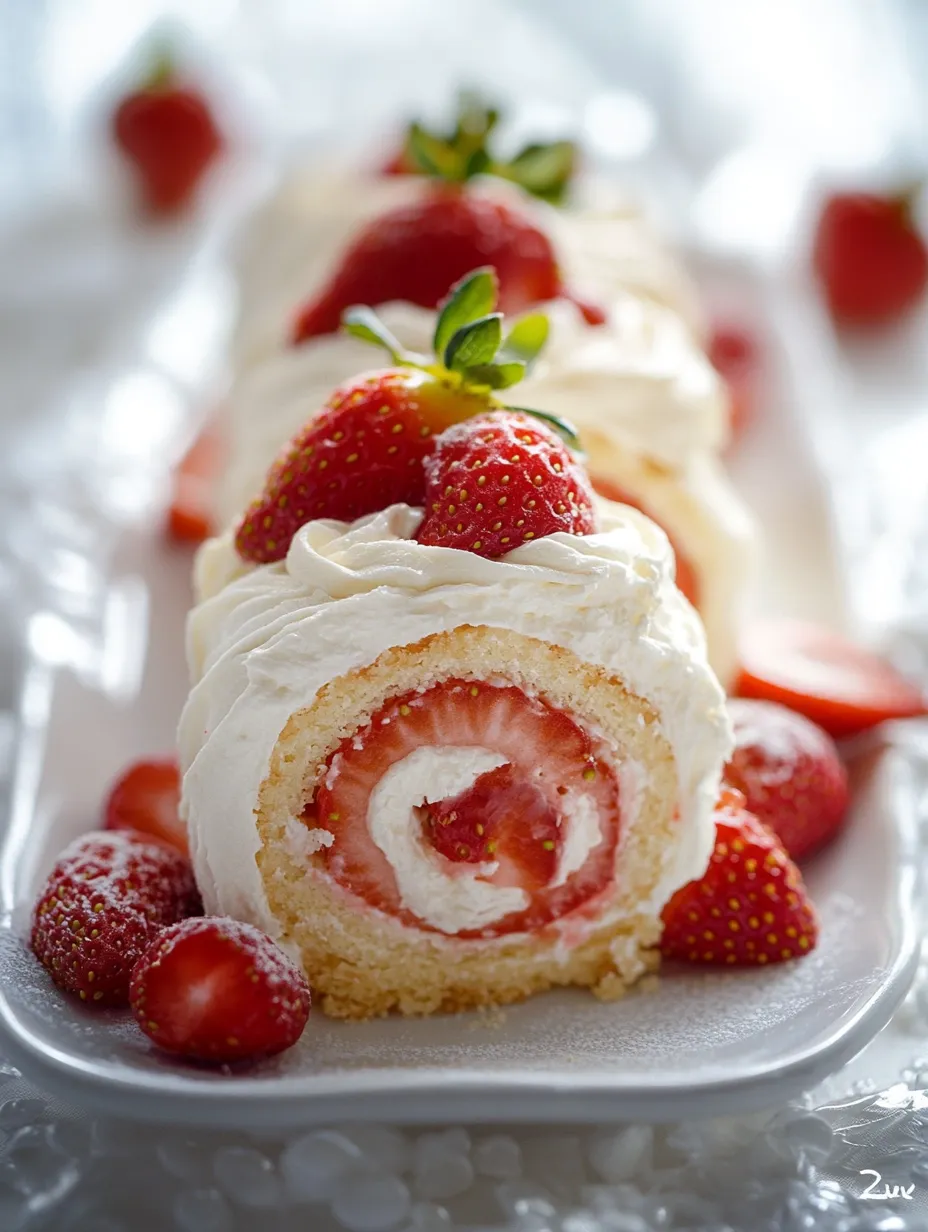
(702,1043)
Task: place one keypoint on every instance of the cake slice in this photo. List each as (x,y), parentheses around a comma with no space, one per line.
(457,749)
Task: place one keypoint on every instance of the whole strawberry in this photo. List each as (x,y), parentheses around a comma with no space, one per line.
(366,449)
(870,258)
(499,481)
(415,252)
(146,799)
(168,133)
(217,990)
(749,908)
(103,904)
(789,772)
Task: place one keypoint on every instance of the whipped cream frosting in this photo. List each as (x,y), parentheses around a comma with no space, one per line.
(639,382)
(262,642)
(293,245)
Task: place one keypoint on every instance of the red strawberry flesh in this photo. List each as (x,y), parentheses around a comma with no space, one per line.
(219,990)
(822,674)
(522,806)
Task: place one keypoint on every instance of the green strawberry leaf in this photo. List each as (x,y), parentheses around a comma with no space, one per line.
(474,296)
(543,170)
(563,427)
(434,155)
(526,338)
(475,343)
(478,163)
(494,376)
(362,322)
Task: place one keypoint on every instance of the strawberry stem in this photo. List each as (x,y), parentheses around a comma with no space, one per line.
(542,169)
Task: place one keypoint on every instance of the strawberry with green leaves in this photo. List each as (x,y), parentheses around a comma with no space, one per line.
(415,251)
(365,450)
(543,169)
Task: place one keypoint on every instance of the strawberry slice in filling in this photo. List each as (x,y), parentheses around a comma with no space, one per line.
(471,809)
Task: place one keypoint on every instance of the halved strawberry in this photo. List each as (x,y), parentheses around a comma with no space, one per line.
(749,908)
(218,990)
(552,762)
(824,676)
(190,517)
(789,772)
(146,799)
(503,816)
(687,581)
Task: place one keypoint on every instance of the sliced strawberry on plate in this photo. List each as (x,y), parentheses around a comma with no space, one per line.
(190,517)
(551,761)
(217,990)
(146,799)
(686,574)
(749,908)
(105,901)
(789,772)
(825,676)
(499,481)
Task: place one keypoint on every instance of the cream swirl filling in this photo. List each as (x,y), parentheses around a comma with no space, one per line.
(450,897)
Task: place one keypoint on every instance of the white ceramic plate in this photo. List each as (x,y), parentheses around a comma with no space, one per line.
(98,692)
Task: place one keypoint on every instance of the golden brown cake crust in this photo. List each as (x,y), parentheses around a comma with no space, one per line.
(363,963)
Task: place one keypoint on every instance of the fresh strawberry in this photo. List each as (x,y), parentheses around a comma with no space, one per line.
(416,251)
(496,482)
(750,907)
(103,904)
(733,353)
(146,799)
(687,580)
(477,825)
(790,774)
(869,257)
(217,990)
(168,133)
(190,518)
(522,806)
(824,676)
(365,450)
(89,945)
